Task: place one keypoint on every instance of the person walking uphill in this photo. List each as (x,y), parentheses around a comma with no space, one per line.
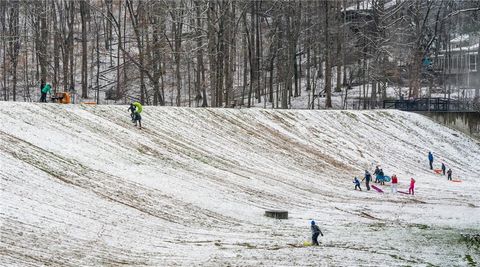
(45,90)
(132,109)
(443,168)
(412,187)
(315,232)
(137,117)
(430,159)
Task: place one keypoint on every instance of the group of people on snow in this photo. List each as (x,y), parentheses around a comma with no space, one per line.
(380,177)
(443,167)
(135,107)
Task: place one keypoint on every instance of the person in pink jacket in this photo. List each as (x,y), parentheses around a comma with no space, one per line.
(412,186)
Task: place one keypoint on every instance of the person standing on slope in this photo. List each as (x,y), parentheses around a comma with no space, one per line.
(449,172)
(367,178)
(381,177)
(357,183)
(137,117)
(412,187)
(394,183)
(132,109)
(315,232)
(443,168)
(377,170)
(430,159)
(45,90)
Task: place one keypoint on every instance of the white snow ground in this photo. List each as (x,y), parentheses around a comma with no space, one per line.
(80,186)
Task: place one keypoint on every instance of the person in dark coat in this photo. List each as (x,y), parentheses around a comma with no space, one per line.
(381,177)
(315,232)
(357,183)
(367,178)
(375,173)
(449,172)
(132,109)
(443,168)
(45,90)
(430,159)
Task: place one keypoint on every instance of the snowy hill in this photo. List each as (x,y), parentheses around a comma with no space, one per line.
(81,186)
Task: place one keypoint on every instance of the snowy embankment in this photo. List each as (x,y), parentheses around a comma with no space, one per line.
(81,186)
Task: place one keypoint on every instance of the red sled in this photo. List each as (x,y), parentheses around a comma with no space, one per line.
(437,171)
(377,188)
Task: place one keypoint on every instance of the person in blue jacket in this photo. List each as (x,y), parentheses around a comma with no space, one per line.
(430,159)
(315,232)
(381,177)
(357,183)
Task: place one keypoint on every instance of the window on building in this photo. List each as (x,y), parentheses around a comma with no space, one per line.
(473,62)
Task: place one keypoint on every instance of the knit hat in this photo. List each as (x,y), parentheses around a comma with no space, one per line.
(313,222)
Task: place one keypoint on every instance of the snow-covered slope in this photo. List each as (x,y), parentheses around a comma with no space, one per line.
(81,186)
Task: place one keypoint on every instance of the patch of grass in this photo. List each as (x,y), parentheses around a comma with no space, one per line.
(422,226)
(402,259)
(248,245)
(378,226)
(350,114)
(470,260)
(385,114)
(369,117)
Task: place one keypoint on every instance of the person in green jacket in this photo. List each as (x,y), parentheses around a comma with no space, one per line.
(137,116)
(45,90)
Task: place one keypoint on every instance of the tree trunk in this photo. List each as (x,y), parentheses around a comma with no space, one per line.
(14,45)
(212,52)
(70,46)
(83,16)
(42,41)
(328,69)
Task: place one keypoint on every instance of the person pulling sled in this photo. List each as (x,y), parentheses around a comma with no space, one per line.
(315,232)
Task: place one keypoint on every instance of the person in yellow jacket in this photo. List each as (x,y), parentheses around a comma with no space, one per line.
(136,115)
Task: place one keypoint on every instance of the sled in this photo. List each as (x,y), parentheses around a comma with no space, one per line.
(403,192)
(437,171)
(377,188)
(456,181)
(307,244)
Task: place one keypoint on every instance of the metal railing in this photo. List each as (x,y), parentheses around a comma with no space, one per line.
(430,104)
